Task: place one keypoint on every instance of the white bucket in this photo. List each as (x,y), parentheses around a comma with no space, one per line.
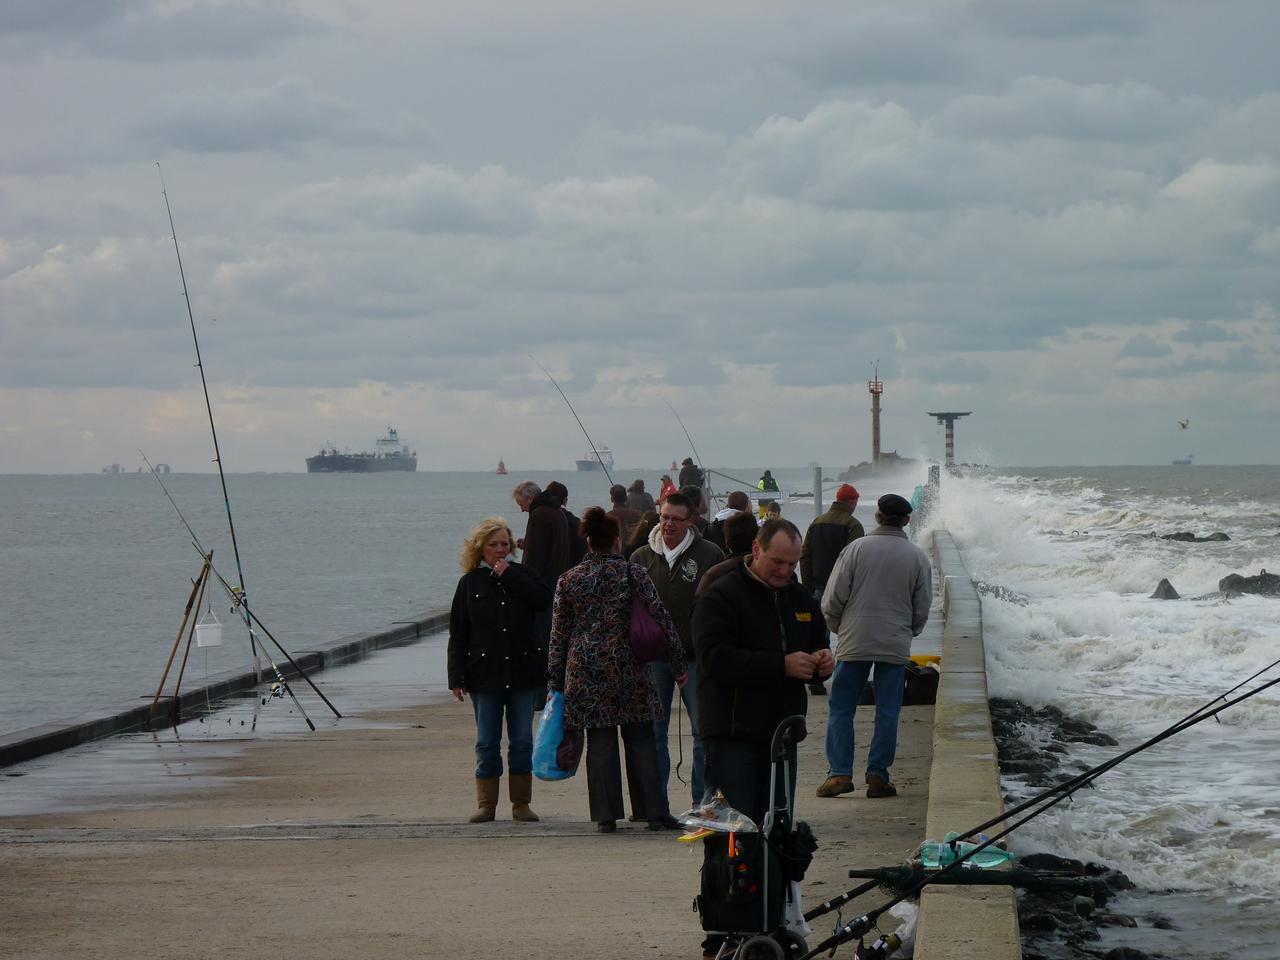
(209,632)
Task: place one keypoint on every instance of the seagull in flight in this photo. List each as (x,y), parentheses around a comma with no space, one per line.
(1184,423)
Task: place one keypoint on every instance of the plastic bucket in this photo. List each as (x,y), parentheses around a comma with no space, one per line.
(209,634)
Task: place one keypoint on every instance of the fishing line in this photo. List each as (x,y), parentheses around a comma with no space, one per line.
(576,417)
(863,924)
(217,454)
(746,483)
(234,595)
(693,447)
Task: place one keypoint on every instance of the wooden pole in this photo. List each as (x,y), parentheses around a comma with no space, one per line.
(196,588)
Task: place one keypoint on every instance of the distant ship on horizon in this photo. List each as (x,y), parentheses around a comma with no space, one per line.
(1187,461)
(595,458)
(389,454)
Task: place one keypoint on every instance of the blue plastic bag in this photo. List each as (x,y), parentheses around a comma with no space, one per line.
(547,741)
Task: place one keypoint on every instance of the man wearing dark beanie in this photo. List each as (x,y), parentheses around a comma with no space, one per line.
(876,600)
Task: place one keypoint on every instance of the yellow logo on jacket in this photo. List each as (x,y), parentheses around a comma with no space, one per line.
(804,617)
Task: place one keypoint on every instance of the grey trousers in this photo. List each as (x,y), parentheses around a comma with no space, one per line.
(604,772)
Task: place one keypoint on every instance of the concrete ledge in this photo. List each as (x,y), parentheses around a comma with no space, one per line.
(958,923)
(134,715)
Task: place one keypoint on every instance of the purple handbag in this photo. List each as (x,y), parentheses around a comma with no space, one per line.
(648,639)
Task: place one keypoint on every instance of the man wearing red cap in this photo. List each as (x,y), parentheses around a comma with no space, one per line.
(825,538)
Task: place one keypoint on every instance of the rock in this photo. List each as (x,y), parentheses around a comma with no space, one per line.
(1216,537)
(1115,920)
(1165,591)
(1127,953)
(1264,584)
(1186,536)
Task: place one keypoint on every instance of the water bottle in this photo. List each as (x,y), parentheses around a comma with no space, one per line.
(934,855)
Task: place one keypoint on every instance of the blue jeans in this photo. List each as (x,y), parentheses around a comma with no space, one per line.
(842,704)
(665,681)
(518,706)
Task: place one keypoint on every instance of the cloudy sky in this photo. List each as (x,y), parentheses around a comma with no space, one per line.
(1062,216)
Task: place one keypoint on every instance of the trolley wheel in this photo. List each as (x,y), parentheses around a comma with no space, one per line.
(760,948)
(793,945)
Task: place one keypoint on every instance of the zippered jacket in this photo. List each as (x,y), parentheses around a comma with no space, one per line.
(493,646)
(823,541)
(677,587)
(742,631)
(878,597)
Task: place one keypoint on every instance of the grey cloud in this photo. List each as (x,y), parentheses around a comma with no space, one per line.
(146,31)
(1144,347)
(878,51)
(277,118)
(1052,107)
(1050,19)
(954,371)
(1199,333)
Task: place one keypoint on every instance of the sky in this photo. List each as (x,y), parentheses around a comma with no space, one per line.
(1062,217)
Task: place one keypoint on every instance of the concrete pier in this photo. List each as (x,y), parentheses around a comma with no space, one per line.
(353,841)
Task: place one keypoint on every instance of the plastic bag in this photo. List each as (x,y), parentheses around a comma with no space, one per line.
(714,814)
(546,742)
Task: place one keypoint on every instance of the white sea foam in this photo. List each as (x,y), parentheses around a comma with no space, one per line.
(1199,811)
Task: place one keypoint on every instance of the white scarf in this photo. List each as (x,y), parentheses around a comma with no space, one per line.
(658,545)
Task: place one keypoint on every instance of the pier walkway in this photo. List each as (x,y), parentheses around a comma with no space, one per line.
(352,843)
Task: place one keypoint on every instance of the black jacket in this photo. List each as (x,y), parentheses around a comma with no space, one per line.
(742,630)
(493,646)
(691,476)
(826,537)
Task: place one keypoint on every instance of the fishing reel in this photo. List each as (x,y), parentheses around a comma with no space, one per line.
(277,691)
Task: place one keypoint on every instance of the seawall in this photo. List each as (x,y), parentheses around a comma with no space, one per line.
(137,714)
(957,922)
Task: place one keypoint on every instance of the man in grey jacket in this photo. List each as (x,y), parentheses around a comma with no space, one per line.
(876,601)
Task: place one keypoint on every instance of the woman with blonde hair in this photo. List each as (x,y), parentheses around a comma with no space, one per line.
(495,655)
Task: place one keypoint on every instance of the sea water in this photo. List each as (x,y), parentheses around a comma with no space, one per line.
(1196,818)
(95,570)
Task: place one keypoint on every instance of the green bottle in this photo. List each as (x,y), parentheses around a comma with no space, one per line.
(934,855)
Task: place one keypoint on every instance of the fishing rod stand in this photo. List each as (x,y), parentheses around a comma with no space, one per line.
(187,626)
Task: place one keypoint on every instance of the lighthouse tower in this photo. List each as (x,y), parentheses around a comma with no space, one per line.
(875,387)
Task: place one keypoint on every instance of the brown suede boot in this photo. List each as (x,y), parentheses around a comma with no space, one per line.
(520,786)
(486,799)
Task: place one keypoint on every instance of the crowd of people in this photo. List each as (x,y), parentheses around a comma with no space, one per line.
(745,638)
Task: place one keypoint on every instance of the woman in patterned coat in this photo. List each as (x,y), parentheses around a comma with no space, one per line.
(606,689)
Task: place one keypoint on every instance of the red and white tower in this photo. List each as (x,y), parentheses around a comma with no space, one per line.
(875,387)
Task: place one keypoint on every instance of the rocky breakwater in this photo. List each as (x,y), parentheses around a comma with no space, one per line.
(1033,748)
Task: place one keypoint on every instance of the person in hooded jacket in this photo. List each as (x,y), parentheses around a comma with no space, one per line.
(637,499)
(666,490)
(546,534)
(691,474)
(497,658)
(737,502)
(676,558)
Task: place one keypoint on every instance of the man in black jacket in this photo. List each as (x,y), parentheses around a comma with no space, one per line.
(759,638)
(826,537)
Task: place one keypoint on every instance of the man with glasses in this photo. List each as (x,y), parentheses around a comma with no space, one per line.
(676,557)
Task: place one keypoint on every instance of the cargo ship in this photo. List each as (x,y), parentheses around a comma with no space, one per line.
(389,454)
(592,462)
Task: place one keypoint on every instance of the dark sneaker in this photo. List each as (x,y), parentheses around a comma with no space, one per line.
(878,786)
(667,822)
(834,786)
(607,826)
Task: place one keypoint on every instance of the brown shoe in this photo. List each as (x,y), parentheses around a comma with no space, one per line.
(520,787)
(834,786)
(878,786)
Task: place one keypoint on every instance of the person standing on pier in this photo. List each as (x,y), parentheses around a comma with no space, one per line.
(606,689)
(676,558)
(626,517)
(497,657)
(691,474)
(876,601)
(826,537)
(637,499)
(546,534)
(737,502)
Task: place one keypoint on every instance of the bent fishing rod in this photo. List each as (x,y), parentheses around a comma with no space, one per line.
(862,925)
(217,454)
(599,459)
(692,446)
(235,599)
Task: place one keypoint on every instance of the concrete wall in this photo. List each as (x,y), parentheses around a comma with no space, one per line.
(957,922)
(136,715)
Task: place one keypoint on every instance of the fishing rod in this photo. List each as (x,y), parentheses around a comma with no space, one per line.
(860,926)
(576,417)
(1088,776)
(746,483)
(691,445)
(231,592)
(217,454)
